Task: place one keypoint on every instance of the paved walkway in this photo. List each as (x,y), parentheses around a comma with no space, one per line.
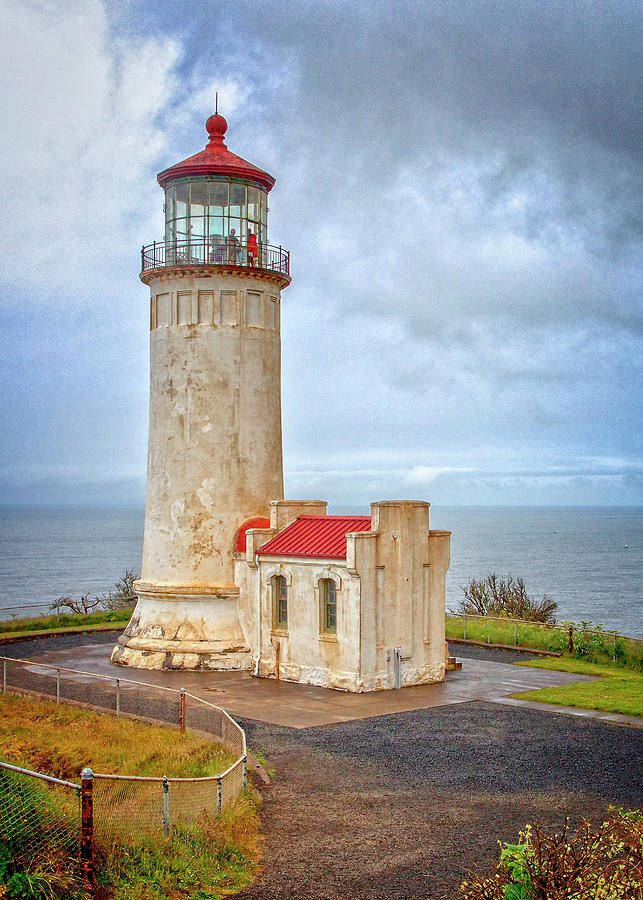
(304,706)
(398,807)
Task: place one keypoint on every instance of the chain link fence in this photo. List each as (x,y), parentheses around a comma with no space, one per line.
(40,833)
(549,636)
(121,806)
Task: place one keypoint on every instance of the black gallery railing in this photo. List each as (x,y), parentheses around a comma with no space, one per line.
(215,251)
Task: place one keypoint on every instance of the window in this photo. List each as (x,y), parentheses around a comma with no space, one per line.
(204,211)
(279,601)
(328,597)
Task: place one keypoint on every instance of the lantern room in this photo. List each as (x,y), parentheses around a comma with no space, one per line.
(216,211)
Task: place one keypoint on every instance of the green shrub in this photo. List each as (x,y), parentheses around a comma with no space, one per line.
(494,596)
(602,863)
(121,597)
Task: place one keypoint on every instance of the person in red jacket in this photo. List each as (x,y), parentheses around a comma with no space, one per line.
(253,250)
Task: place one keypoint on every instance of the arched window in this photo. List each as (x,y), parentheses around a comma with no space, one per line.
(279,590)
(328,600)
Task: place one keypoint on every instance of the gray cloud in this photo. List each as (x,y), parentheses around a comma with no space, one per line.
(459,184)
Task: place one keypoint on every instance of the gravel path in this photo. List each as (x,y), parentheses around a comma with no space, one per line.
(469,651)
(399,807)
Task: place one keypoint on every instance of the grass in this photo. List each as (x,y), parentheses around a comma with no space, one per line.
(60,740)
(204,860)
(45,623)
(618,691)
(602,647)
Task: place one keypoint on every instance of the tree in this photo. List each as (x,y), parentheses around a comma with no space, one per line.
(120,598)
(507,597)
(123,594)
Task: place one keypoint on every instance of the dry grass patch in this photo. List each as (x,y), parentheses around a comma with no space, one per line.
(204,860)
(60,740)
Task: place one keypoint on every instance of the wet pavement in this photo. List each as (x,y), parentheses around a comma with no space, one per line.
(305,706)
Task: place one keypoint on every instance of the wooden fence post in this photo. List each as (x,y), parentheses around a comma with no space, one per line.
(182,710)
(87,828)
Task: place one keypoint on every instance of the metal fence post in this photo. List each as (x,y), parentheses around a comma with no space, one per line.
(219,794)
(464,626)
(515,633)
(87,827)
(397,659)
(182,710)
(166,805)
(4,676)
(57,685)
(245,772)
(118,697)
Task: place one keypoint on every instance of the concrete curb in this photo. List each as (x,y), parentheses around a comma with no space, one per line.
(36,635)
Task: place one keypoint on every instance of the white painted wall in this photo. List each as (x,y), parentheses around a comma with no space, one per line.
(390,593)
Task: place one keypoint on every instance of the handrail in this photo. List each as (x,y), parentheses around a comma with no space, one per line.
(215,250)
(33,662)
(40,775)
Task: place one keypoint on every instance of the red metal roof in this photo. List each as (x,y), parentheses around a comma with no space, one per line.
(240,543)
(318,536)
(216,159)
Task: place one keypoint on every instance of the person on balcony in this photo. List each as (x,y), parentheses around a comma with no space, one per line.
(234,247)
(253,250)
(218,248)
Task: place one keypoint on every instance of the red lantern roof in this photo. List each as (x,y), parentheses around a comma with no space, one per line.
(216,159)
(317,536)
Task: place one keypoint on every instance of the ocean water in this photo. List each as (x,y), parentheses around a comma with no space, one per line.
(588,559)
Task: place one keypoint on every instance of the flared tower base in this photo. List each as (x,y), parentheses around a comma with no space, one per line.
(184,627)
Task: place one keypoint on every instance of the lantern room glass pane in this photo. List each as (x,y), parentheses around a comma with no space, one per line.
(198,206)
(182,200)
(218,197)
(170,204)
(253,204)
(238,200)
(216,225)
(264,217)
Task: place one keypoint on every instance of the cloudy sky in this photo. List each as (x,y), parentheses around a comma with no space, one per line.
(459,186)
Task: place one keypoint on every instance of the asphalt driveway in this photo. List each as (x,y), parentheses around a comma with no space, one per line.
(400,806)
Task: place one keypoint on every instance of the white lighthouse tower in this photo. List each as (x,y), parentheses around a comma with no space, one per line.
(215,449)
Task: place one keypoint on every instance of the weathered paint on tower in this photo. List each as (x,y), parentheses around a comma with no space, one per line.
(214,448)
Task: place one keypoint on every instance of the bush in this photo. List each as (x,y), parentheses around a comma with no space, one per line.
(602,863)
(494,596)
(122,597)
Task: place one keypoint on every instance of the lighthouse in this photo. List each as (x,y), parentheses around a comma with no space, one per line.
(215,445)
(234,575)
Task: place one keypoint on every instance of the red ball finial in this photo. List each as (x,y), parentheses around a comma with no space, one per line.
(216,126)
